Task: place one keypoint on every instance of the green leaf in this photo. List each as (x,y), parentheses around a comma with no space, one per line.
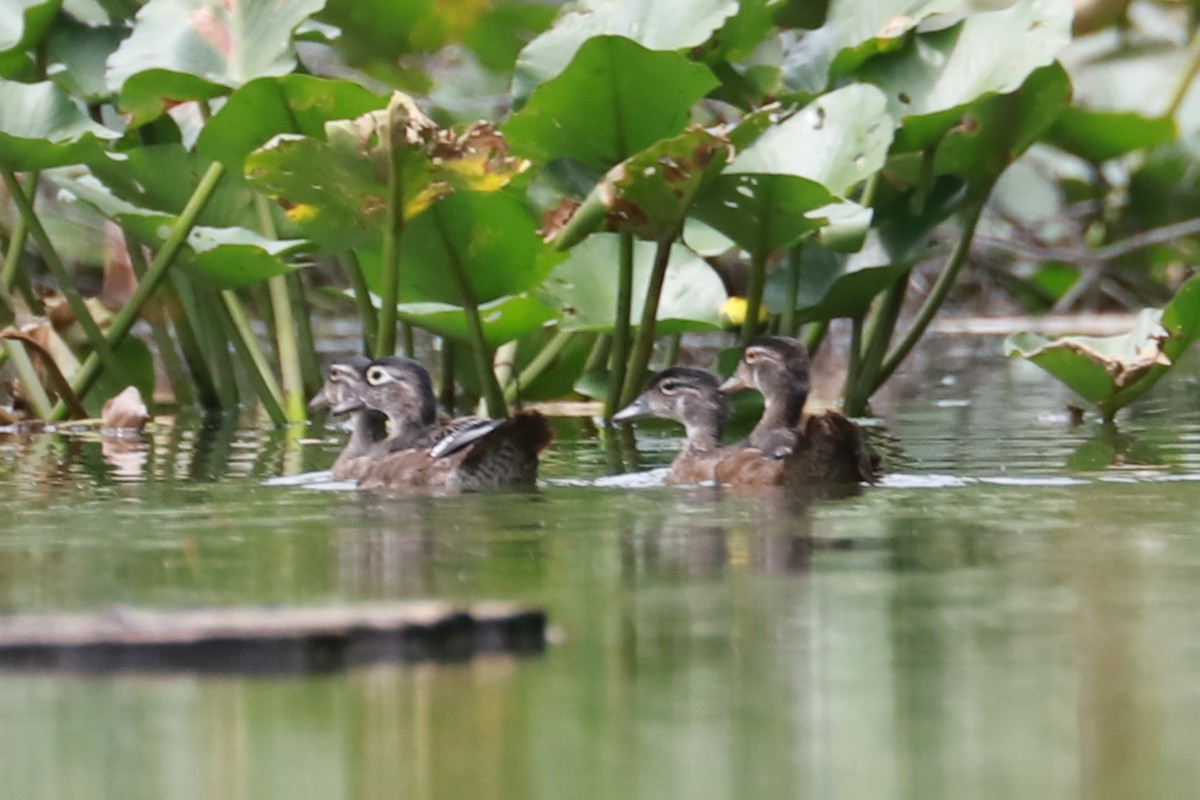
(492,236)
(584,290)
(265,107)
(602,108)
(650,194)
(336,189)
(504,319)
(41,127)
(1112,371)
(24,22)
(664,25)
(134,356)
(931,81)
(1098,136)
(788,182)
(225,258)
(78,54)
(199,49)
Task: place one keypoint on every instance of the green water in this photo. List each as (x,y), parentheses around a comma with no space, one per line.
(986,624)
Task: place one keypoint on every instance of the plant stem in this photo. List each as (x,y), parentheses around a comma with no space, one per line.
(310,367)
(754,293)
(816,335)
(787,320)
(12,259)
(643,347)
(237,331)
(619,354)
(247,346)
(937,295)
(123,321)
(174,292)
(287,325)
(102,348)
(1189,75)
(35,393)
(362,297)
(180,387)
(492,395)
(537,365)
(216,328)
(878,337)
(673,346)
(598,356)
(854,368)
(393,226)
(446,392)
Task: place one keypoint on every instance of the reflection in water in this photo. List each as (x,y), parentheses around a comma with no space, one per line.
(985,624)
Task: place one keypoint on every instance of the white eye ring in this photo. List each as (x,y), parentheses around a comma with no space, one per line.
(750,356)
(377,376)
(669,387)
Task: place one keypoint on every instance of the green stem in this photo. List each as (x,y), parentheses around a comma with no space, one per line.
(310,367)
(101,347)
(598,355)
(393,226)
(492,394)
(123,321)
(643,347)
(754,293)
(35,393)
(619,355)
(1189,75)
(287,338)
(854,368)
(362,297)
(12,259)
(937,296)
(815,335)
(537,365)
(189,341)
(237,331)
(673,346)
(446,394)
(216,328)
(878,337)
(787,320)
(247,345)
(180,387)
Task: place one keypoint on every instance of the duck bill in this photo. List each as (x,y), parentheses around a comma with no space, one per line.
(346,405)
(734,384)
(636,410)
(320,400)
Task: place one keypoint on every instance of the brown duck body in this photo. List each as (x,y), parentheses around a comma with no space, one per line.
(826,450)
(506,457)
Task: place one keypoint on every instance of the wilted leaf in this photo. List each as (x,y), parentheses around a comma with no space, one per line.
(584,290)
(1111,371)
(602,108)
(41,127)
(124,412)
(650,193)
(199,49)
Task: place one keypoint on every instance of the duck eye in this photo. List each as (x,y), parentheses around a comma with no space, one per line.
(750,356)
(376,376)
(669,387)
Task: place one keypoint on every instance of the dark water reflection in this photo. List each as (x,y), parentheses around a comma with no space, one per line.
(990,623)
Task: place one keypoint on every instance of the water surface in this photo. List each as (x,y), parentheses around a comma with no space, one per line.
(993,621)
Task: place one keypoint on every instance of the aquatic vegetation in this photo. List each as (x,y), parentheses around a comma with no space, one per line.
(550,191)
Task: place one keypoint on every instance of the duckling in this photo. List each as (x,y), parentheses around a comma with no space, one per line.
(692,397)
(825,446)
(344,383)
(468,454)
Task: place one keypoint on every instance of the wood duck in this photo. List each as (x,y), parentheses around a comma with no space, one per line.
(369,427)
(822,447)
(467,454)
(692,397)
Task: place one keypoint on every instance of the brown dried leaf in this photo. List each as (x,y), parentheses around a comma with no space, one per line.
(124,412)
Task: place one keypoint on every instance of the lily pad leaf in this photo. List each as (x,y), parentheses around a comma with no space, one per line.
(584,292)
(662,25)
(1112,371)
(265,107)
(490,237)
(928,83)
(199,49)
(504,319)
(77,55)
(1098,136)
(41,127)
(602,109)
(24,22)
(650,193)
(336,188)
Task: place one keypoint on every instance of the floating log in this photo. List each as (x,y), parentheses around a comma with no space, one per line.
(267,639)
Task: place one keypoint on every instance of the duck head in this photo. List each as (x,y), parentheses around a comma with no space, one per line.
(402,389)
(778,367)
(687,395)
(343,386)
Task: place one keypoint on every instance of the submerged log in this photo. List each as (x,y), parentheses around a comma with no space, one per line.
(267,639)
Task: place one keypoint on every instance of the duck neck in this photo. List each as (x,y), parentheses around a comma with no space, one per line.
(703,434)
(407,431)
(781,410)
(369,427)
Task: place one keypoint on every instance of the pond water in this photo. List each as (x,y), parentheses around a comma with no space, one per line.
(990,622)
